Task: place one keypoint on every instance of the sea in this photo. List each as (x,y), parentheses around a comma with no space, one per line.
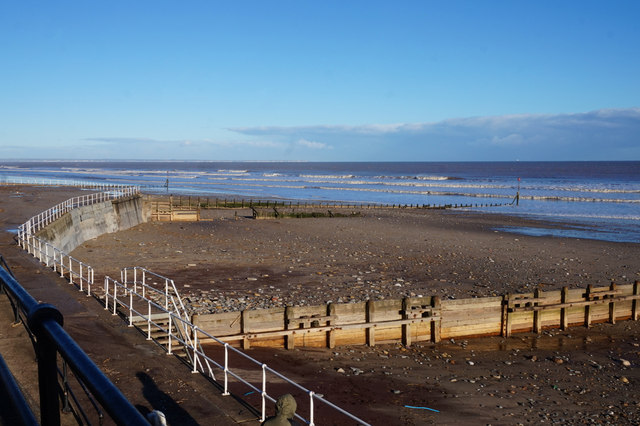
(586,200)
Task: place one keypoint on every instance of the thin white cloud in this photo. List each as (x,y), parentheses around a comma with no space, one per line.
(512,139)
(313,145)
(185,143)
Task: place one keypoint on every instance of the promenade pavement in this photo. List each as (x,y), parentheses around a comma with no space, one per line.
(148,377)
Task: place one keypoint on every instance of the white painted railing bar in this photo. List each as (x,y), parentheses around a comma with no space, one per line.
(85,184)
(43,219)
(169,284)
(195,349)
(61,263)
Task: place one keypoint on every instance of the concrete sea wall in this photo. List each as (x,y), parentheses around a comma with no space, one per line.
(88,222)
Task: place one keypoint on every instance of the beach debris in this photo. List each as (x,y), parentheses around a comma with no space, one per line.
(625,363)
(356,371)
(422,408)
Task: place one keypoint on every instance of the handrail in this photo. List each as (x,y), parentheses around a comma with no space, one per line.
(5,180)
(61,262)
(143,308)
(170,293)
(16,410)
(45,322)
(43,219)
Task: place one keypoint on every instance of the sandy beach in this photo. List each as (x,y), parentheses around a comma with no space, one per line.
(232,262)
(575,377)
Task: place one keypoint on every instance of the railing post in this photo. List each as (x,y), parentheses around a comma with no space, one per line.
(226,367)
(130,308)
(264,393)
(61,264)
(47,362)
(115,298)
(311,423)
(195,349)
(169,352)
(55,260)
(81,275)
(149,320)
(106,293)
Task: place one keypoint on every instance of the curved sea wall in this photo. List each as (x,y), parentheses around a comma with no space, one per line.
(88,222)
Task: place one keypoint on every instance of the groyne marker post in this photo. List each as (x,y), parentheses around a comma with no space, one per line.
(634,304)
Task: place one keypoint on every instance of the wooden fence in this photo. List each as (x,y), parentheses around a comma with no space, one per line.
(193,203)
(167,211)
(420,319)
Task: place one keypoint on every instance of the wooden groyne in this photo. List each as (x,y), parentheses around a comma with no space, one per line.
(189,208)
(422,319)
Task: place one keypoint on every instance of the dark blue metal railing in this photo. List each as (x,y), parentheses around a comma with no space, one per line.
(44,323)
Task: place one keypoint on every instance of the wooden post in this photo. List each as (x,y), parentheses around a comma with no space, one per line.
(587,308)
(437,324)
(331,334)
(243,329)
(564,317)
(612,305)
(289,338)
(371,332)
(506,324)
(406,328)
(634,304)
(537,315)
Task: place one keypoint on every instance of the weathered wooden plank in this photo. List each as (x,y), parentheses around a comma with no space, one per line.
(480,330)
(221,324)
(387,310)
(481,302)
(350,313)
(261,320)
(351,337)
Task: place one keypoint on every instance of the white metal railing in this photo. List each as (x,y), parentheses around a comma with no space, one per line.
(144,277)
(84,184)
(43,219)
(131,302)
(76,271)
(170,298)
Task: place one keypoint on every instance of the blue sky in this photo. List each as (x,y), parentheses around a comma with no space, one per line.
(320,80)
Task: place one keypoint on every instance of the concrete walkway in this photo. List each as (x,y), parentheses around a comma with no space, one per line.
(146,375)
